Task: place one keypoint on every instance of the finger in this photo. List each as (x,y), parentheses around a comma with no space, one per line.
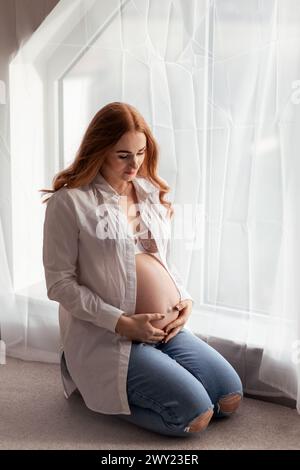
(157,339)
(169,327)
(158,332)
(155,316)
(173,325)
(172,334)
(182,304)
(160,336)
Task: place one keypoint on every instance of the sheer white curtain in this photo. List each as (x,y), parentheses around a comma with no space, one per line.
(22,319)
(218,83)
(252,184)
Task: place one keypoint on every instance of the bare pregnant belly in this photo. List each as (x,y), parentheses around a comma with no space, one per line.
(156,290)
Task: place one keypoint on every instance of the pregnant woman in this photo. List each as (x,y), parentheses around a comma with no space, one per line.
(122,304)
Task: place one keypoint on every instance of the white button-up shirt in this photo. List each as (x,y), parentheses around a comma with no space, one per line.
(89,263)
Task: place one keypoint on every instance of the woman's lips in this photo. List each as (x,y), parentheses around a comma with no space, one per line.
(130,172)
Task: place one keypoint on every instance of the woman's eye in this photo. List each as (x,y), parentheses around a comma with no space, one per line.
(125,156)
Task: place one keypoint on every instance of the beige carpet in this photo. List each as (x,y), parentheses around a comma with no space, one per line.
(35,415)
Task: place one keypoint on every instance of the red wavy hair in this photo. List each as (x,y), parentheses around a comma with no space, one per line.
(106,128)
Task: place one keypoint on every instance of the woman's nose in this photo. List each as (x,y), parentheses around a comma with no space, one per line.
(134,163)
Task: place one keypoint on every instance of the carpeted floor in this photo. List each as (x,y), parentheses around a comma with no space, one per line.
(35,415)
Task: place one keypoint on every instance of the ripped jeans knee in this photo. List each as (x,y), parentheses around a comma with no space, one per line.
(228,404)
(201,422)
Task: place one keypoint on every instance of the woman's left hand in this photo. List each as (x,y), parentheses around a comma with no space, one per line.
(185,309)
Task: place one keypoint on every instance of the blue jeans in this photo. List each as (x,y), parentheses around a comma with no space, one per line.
(169,385)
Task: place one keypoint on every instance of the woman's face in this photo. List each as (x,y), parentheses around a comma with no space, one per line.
(125,158)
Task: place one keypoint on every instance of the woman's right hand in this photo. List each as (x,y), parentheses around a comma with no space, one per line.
(137,327)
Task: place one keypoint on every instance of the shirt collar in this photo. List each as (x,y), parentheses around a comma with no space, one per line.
(142,185)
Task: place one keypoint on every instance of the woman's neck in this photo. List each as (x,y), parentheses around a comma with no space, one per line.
(123,188)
